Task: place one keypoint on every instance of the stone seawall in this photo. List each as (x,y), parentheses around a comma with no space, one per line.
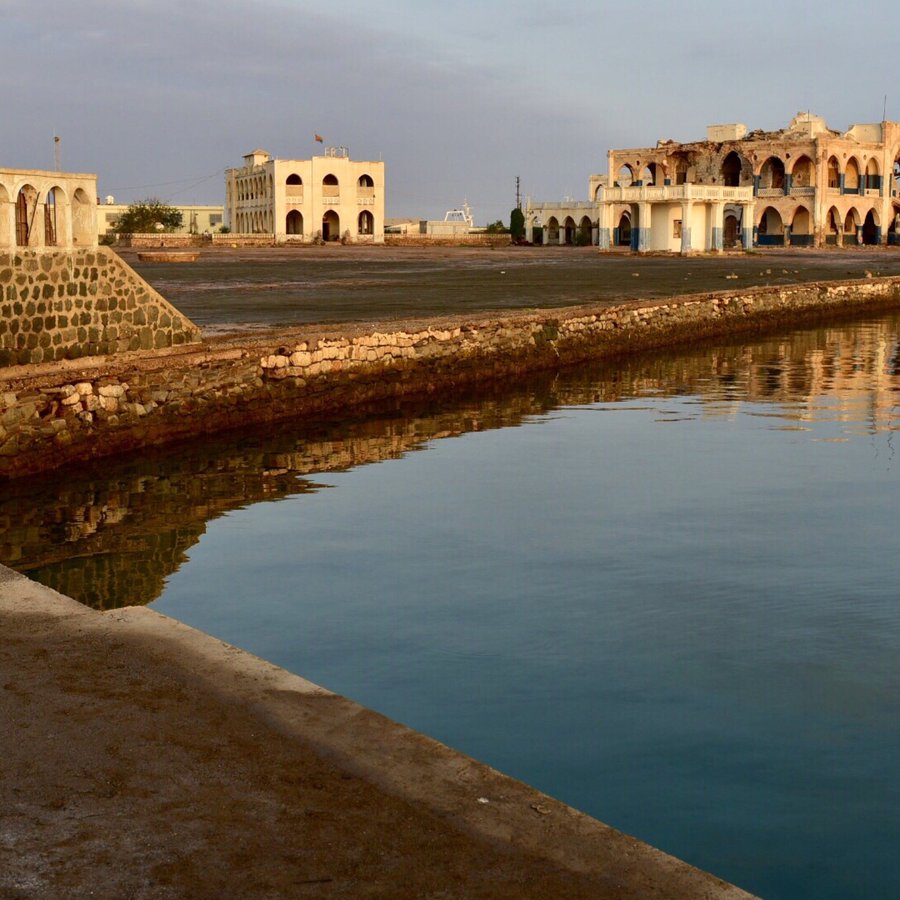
(59,304)
(52,414)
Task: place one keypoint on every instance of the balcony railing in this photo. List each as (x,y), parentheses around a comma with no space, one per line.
(331,191)
(673,192)
(365,192)
(365,201)
(802,191)
(294,190)
(770,192)
(873,192)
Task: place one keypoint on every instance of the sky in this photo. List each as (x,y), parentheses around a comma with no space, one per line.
(159,97)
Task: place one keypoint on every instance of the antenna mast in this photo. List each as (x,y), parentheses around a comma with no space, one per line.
(56,153)
(518,195)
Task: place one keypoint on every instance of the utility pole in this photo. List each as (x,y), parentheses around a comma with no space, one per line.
(56,161)
(518,195)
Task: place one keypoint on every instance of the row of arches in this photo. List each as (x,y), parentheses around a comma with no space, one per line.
(773,173)
(364,181)
(46,219)
(572,232)
(331,224)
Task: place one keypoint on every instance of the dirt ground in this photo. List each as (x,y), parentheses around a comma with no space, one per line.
(233,288)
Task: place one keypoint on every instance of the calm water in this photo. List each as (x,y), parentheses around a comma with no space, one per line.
(669,596)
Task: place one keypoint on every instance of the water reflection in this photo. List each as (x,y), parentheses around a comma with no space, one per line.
(110,535)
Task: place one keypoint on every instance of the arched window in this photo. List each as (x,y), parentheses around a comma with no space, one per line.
(873,179)
(771,175)
(331,226)
(625,178)
(366,223)
(50,220)
(851,175)
(731,170)
(82,218)
(834,173)
(330,186)
(365,181)
(26,209)
(293,178)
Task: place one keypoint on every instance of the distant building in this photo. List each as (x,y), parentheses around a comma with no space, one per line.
(329,196)
(47,209)
(194,219)
(804,185)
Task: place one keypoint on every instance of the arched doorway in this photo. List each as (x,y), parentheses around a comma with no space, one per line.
(681,170)
(851,222)
(50,219)
(771,175)
(834,174)
(552,230)
(770,231)
(294,222)
(569,226)
(366,223)
(26,209)
(873,177)
(731,231)
(832,226)
(731,170)
(331,226)
(801,228)
(803,174)
(648,175)
(623,231)
(584,231)
(851,176)
(625,177)
(871,233)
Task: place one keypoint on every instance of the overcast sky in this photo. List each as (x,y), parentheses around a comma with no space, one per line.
(458,97)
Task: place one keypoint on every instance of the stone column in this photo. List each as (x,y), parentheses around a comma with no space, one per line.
(686,227)
(643,232)
(545,234)
(718,227)
(747,225)
(529,230)
(604,231)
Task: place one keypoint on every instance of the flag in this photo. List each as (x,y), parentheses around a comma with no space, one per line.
(320,139)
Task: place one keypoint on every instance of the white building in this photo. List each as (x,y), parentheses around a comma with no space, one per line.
(195,219)
(329,196)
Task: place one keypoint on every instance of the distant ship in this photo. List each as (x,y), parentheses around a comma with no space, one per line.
(462,214)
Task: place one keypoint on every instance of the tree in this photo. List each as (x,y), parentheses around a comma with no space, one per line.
(496,227)
(517,224)
(148,216)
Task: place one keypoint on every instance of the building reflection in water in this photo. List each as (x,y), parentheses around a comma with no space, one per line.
(109,535)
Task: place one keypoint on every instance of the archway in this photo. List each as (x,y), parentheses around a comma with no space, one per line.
(731,169)
(893,235)
(771,175)
(623,232)
(293,223)
(851,176)
(331,226)
(770,231)
(625,178)
(26,209)
(731,231)
(51,223)
(801,228)
(584,231)
(569,226)
(552,230)
(366,223)
(648,175)
(832,226)
(365,181)
(871,233)
(851,222)
(834,173)
(681,170)
(803,173)
(873,177)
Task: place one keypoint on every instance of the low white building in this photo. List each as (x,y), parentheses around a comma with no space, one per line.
(330,197)
(195,219)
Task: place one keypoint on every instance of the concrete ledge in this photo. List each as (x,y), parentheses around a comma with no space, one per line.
(556,849)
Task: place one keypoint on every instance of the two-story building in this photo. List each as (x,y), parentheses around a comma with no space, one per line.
(330,197)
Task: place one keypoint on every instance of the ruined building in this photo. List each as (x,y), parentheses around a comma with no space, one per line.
(805,185)
(329,196)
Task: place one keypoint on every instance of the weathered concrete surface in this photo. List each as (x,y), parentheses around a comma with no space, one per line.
(72,410)
(142,758)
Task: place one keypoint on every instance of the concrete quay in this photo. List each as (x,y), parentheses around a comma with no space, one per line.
(142,758)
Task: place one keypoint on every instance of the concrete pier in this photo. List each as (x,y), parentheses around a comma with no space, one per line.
(143,758)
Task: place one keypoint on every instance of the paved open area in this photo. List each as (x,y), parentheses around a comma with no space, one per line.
(230,288)
(143,759)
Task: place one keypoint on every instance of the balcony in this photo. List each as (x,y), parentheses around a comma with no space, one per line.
(803,191)
(365,201)
(770,192)
(331,192)
(675,192)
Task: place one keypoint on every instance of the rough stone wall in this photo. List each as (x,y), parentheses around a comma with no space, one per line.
(52,414)
(58,304)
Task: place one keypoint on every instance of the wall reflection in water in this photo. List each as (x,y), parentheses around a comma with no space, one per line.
(109,534)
